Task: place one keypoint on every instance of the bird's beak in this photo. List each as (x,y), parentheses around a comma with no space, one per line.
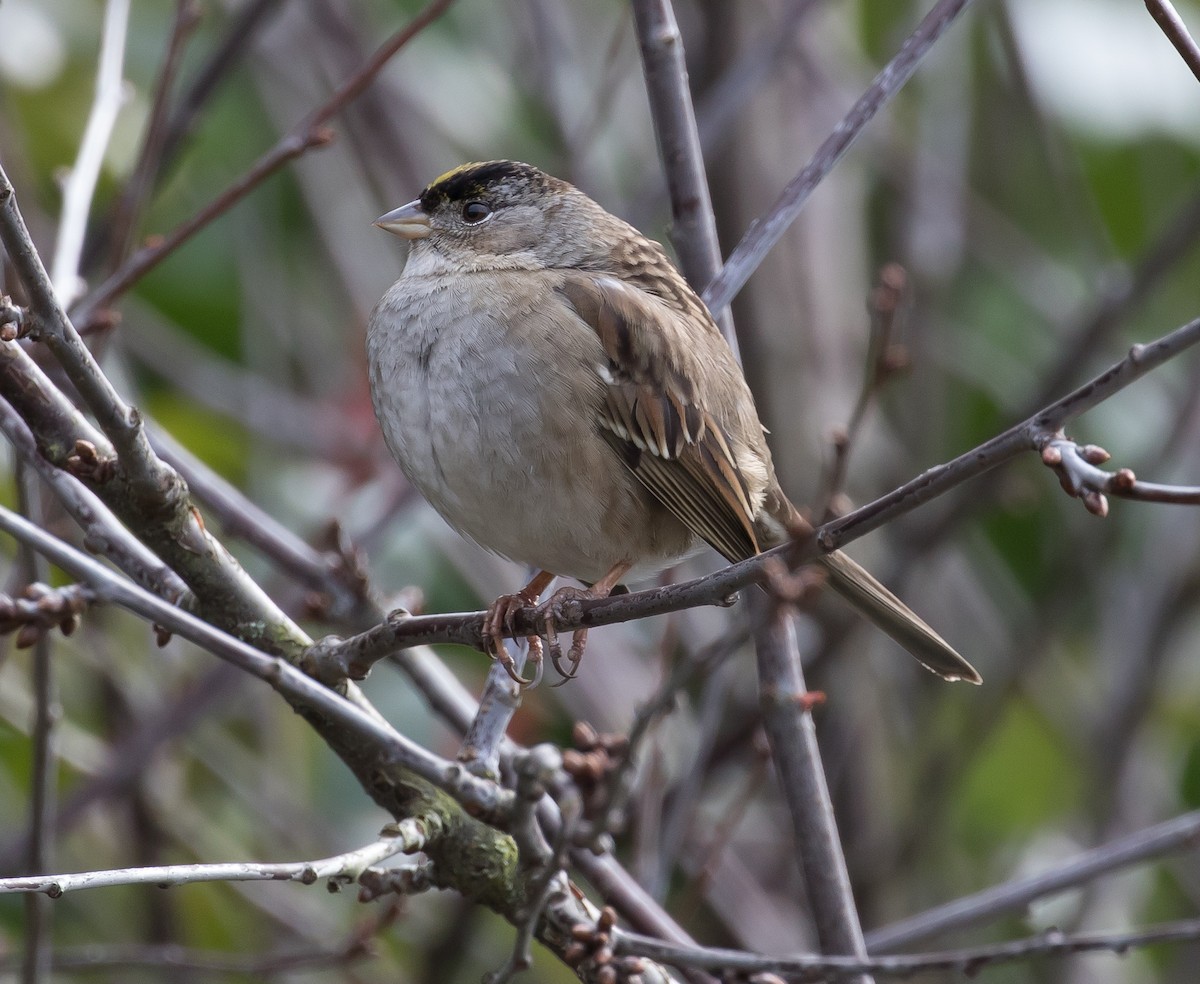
(408,221)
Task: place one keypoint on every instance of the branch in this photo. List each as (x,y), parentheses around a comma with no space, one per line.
(1179,834)
(1080,477)
(124,219)
(1022,437)
(409,838)
(1167,17)
(786,709)
(103,532)
(355,656)
(694,231)
(484,798)
(767,230)
(81,183)
(967,962)
(308,133)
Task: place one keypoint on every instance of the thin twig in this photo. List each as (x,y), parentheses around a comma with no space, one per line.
(408,838)
(694,231)
(310,132)
(173,961)
(239,37)
(680,811)
(1167,17)
(1179,834)
(123,224)
(787,719)
(43,799)
(767,230)
(1080,475)
(967,961)
(485,799)
(1024,436)
(883,360)
(723,102)
(619,784)
(103,533)
(81,184)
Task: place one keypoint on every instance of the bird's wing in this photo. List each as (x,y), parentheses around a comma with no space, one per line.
(655,418)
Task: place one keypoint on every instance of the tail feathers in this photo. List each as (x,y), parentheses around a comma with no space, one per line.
(860,588)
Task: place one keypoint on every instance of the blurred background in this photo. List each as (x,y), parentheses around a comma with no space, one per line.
(1038,182)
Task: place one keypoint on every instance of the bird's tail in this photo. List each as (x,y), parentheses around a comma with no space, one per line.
(859,587)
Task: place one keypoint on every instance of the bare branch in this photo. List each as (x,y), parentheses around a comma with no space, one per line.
(485,798)
(694,230)
(1022,437)
(1167,17)
(787,718)
(308,133)
(81,184)
(103,532)
(409,838)
(967,962)
(1179,834)
(767,230)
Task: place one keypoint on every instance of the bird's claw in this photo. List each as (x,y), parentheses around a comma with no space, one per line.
(550,613)
(500,623)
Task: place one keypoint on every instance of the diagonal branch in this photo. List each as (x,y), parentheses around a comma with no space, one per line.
(766,231)
(1178,834)
(308,133)
(1167,17)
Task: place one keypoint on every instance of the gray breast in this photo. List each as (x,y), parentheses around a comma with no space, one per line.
(487,403)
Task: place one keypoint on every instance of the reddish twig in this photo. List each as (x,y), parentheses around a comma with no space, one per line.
(884,360)
(1080,476)
(41,608)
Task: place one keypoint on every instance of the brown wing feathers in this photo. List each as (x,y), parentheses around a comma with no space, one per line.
(652,418)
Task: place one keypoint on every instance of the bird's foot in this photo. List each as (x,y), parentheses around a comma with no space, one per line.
(562,606)
(499,623)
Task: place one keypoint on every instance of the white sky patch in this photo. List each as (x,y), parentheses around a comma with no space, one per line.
(1106,67)
(33,53)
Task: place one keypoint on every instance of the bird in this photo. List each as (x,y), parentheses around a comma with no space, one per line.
(548,380)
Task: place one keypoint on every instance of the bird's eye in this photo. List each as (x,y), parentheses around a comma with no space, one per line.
(474,212)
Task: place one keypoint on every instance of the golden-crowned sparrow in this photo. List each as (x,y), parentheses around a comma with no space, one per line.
(552,385)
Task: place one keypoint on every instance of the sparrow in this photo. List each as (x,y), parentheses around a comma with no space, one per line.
(551,384)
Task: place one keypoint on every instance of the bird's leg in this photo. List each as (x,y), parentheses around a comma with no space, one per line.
(553,609)
(499,622)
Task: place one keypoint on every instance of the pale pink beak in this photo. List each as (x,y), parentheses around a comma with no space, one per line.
(408,221)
